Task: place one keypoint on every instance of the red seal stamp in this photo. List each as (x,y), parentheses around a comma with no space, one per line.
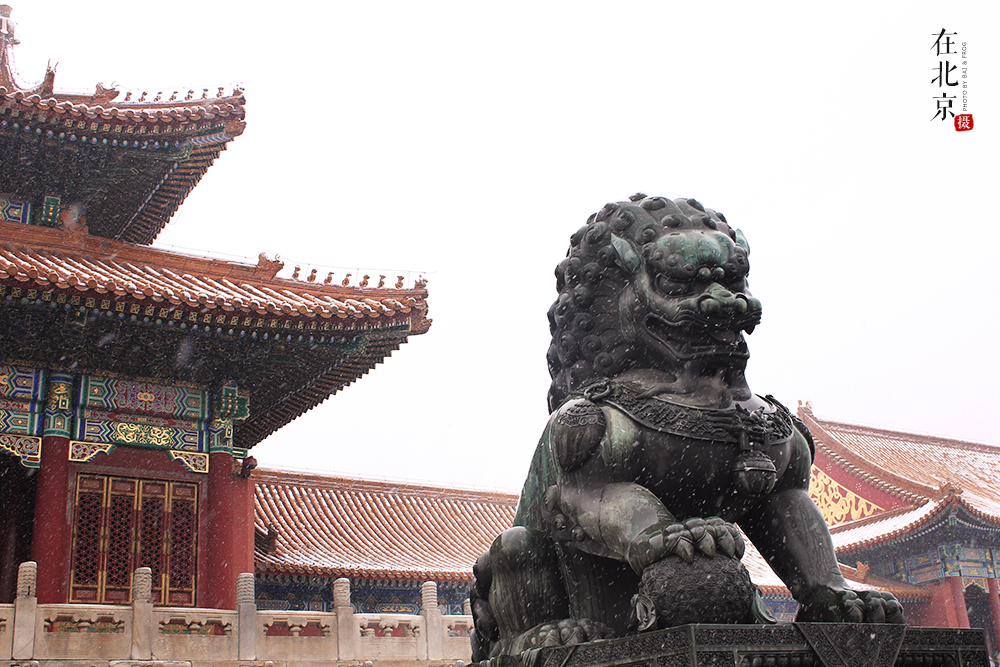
(963,122)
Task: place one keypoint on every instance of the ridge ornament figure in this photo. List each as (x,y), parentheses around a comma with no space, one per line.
(655,447)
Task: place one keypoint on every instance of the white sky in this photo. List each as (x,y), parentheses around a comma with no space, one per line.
(468,140)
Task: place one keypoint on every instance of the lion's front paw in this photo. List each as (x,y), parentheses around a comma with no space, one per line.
(707,536)
(827,605)
(562,633)
(685,539)
(881,607)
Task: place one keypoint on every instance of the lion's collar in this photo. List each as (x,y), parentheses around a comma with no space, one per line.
(772,425)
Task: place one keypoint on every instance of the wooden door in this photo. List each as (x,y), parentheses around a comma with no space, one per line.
(123,523)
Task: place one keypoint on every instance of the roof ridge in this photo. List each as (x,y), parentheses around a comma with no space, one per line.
(920,438)
(412,488)
(902,487)
(95,248)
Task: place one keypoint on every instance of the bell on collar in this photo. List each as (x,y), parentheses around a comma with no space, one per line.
(754,473)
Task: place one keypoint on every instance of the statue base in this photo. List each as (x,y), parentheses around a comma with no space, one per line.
(781,645)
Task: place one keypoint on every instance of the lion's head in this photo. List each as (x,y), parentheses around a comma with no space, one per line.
(651,283)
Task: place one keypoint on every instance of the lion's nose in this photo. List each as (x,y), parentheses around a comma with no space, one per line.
(720,303)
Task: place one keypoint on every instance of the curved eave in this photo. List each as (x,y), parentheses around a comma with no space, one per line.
(867,533)
(53,261)
(182,139)
(265,565)
(169,294)
(155,213)
(317,390)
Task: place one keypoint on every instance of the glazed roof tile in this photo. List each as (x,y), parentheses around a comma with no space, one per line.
(347,527)
(47,259)
(344,527)
(914,467)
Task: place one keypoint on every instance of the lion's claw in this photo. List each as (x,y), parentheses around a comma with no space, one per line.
(882,607)
(725,543)
(685,549)
(846,606)
(707,536)
(706,545)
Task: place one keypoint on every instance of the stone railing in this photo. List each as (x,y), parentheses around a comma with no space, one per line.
(31,632)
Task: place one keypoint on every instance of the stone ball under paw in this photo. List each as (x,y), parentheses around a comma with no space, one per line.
(707,590)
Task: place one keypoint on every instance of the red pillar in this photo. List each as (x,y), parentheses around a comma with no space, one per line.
(994,596)
(52,532)
(227,543)
(958,599)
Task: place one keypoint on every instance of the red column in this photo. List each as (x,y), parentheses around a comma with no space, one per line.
(994,597)
(958,599)
(227,543)
(52,533)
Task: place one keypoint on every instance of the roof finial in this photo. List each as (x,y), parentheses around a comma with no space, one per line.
(7,41)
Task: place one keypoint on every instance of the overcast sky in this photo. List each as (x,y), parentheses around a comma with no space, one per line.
(468,140)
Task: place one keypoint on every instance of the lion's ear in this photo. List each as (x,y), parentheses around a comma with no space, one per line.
(626,253)
(741,241)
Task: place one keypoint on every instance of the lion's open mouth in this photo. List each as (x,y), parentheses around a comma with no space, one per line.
(693,338)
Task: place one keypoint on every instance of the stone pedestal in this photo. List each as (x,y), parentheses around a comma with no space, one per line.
(142,614)
(782,645)
(25,608)
(434,630)
(246,608)
(348,633)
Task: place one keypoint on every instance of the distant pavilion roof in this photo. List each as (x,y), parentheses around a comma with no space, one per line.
(71,300)
(933,479)
(127,163)
(345,527)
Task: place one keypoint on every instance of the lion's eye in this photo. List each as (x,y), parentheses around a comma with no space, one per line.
(671,287)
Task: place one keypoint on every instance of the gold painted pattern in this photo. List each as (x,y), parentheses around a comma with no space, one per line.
(193,461)
(59,396)
(84,452)
(836,502)
(142,434)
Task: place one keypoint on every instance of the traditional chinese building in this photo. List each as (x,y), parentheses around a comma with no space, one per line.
(915,509)
(133,381)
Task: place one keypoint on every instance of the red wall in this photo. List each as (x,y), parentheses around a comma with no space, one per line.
(225,523)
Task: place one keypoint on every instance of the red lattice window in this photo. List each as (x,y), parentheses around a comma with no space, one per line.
(152,533)
(182,547)
(88,538)
(121,524)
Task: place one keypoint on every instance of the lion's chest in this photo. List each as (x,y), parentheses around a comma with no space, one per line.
(694,477)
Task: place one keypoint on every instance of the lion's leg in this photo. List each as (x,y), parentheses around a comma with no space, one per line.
(789,531)
(526,588)
(519,600)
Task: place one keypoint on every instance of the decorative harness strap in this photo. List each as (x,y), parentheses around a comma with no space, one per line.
(757,430)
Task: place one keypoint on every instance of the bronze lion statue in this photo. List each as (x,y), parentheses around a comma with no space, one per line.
(655,448)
